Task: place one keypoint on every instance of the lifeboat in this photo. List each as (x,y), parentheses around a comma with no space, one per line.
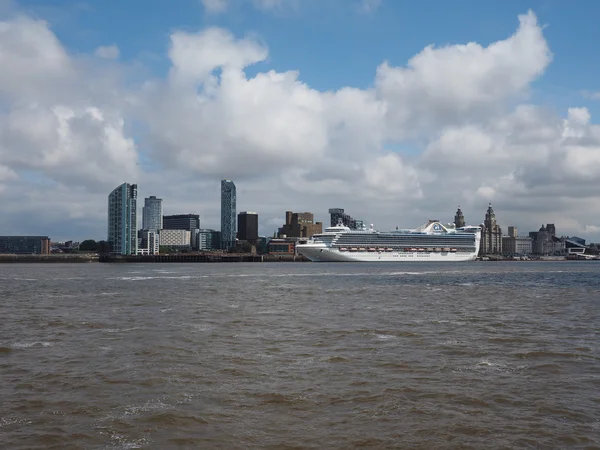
(420,249)
(445,249)
(413,249)
(353,249)
(389,249)
(452,249)
(343,249)
(371,249)
(361,249)
(438,249)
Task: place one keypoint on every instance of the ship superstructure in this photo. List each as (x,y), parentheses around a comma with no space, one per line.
(430,242)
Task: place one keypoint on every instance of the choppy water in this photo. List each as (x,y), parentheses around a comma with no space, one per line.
(282,356)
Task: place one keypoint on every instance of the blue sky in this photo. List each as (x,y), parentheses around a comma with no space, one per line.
(332,44)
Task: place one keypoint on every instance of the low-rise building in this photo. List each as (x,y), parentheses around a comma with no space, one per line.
(38,245)
(517,245)
(209,239)
(175,238)
(281,246)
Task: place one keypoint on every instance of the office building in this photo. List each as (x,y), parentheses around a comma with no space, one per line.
(148,242)
(189,222)
(248,227)
(27,245)
(513,232)
(209,239)
(338,216)
(299,225)
(515,245)
(122,220)
(228,214)
(152,218)
(175,238)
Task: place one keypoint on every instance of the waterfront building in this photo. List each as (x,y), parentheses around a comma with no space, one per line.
(228,214)
(209,239)
(152,218)
(175,238)
(545,241)
(299,225)
(122,220)
(338,215)
(513,232)
(148,242)
(459,219)
(26,245)
(281,247)
(247,226)
(190,222)
(515,245)
(491,235)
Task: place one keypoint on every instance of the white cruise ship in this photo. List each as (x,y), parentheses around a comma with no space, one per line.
(431,242)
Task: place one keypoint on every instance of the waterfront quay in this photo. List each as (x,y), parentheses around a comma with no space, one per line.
(201,258)
(164,258)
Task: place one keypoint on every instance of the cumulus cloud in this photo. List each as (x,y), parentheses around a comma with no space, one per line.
(450,127)
(457,83)
(38,130)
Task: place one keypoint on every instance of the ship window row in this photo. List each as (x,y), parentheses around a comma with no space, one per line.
(405,242)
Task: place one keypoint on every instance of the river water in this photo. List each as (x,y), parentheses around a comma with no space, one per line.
(300,355)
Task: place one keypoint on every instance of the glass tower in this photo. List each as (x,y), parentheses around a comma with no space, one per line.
(228,215)
(122,220)
(152,218)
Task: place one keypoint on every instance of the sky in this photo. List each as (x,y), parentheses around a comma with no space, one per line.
(398,112)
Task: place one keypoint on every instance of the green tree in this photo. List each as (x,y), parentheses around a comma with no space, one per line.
(89,245)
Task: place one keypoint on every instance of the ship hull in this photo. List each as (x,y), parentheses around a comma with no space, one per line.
(321,253)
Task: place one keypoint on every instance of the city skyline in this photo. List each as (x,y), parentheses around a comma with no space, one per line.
(397,114)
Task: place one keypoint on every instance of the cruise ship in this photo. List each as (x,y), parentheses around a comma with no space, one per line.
(430,242)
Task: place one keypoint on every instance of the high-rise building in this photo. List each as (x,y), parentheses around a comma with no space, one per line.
(228,214)
(189,222)
(152,218)
(300,225)
(459,219)
(122,220)
(248,227)
(337,215)
(181,222)
(513,232)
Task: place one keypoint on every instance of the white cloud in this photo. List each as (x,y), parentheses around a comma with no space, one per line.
(457,83)
(108,52)
(65,134)
(214,6)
